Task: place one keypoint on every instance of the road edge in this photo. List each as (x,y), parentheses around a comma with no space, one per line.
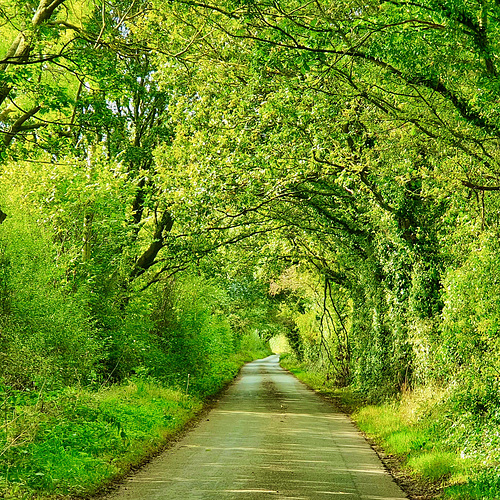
(413,487)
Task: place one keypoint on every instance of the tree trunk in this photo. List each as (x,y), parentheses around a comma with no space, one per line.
(148,258)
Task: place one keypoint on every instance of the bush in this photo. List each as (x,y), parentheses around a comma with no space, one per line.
(471,317)
(72,442)
(47,336)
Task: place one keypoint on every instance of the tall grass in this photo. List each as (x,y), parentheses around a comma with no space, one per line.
(72,442)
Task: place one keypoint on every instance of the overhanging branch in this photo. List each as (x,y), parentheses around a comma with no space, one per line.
(477,187)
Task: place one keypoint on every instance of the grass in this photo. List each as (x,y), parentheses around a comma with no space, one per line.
(434,465)
(441,445)
(73,442)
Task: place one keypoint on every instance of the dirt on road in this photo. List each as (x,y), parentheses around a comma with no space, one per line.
(268,437)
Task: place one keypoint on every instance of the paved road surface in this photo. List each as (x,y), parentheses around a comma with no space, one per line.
(269,437)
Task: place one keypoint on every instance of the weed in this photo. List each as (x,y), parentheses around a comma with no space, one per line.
(83,440)
(434,465)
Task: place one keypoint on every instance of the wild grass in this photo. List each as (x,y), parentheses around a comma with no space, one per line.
(72,442)
(75,441)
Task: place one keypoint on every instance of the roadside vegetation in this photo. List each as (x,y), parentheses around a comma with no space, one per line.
(92,384)
(180,182)
(76,441)
(446,450)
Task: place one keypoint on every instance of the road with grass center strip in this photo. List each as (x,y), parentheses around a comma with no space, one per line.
(269,436)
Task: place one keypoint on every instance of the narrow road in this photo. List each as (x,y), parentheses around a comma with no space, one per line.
(268,437)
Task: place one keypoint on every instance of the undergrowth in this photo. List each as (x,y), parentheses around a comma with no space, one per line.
(72,441)
(75,441)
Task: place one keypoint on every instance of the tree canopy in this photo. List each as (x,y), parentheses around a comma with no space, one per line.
(344,155)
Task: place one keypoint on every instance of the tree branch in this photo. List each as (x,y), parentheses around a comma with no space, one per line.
(476,187)
(148,258)
(18,125)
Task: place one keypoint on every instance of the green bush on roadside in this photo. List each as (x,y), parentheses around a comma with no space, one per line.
(73,441)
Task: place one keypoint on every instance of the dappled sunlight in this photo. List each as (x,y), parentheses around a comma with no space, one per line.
(271,437)
(273,492)
(336,493)
(264,492)
(284,411)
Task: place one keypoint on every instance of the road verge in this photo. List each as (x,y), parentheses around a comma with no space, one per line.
(414,436)
(77,442)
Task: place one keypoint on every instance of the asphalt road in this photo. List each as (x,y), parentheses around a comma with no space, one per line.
(268,437)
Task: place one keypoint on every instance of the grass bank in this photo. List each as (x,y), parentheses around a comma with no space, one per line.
(75,441)
(441,447)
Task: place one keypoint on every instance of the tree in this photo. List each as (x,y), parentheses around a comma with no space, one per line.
(256,131)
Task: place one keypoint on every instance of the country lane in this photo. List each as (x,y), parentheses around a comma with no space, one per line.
(268,437)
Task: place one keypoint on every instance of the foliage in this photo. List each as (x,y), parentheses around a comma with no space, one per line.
(47,335)
(183,181)
(72,441)
(470,315)
(448,448)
